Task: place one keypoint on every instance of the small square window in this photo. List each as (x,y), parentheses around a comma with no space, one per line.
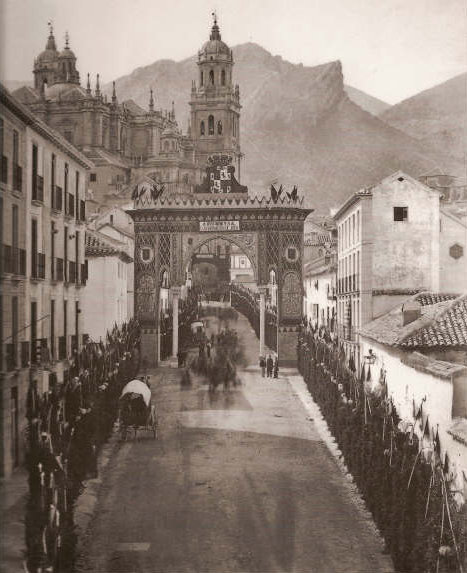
(401,213)
(93,177)
(146,254)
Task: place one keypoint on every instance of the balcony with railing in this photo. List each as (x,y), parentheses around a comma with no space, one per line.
(25,354)
(11,353)
(82,210)
(4,169)
(74,344)
(347,333)
(84,273)
(39,351)
(62,348)
(38,189)
(17,178)
(331,292)
(348,284)
(58,269)
(38,266)
(70,205)
(13,260)
(57,198)
(72,272)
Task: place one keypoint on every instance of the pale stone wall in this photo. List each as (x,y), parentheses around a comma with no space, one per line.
(319,296)
(406,384)
(102,293)
(405,253)
(453,271)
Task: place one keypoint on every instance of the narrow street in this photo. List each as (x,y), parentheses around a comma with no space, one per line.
(237,481)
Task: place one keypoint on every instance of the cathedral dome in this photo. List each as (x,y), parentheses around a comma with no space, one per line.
(47,57)
(67,54)
(215,46)
(50,54)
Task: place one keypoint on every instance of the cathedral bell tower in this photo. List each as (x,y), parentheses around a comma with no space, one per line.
(215,103)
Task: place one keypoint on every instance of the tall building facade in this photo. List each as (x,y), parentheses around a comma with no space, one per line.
(127,143)
(42,205)
(394,240)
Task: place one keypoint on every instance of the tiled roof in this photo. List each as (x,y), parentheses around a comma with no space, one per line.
(99,245)
(427,298)
(315,239)
(448,330)
(443,323)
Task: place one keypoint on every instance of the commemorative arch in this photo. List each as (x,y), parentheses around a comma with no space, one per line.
(170,229)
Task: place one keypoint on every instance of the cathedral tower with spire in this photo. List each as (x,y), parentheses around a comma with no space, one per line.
(215,102)
(126,142)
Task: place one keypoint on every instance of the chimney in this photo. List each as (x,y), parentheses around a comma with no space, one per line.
(411,310)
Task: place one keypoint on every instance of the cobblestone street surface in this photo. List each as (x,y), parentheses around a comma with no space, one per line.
(237,481)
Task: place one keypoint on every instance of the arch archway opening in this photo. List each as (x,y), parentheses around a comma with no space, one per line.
(216,263)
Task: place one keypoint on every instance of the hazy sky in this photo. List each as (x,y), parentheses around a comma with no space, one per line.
(391,49)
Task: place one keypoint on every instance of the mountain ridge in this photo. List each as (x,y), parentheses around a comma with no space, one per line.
(436,116)
(299,125)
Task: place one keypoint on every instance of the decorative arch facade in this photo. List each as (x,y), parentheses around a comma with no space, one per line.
(172,230)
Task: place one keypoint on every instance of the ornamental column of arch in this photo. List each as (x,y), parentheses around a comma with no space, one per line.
(176,290)
(262,318)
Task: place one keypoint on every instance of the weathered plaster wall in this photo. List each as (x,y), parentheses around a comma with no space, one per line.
(405,253)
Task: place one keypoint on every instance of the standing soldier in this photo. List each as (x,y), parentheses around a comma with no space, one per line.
(269,366)
(262,364)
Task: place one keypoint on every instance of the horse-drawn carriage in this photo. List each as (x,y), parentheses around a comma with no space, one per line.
(136,411)
(198,331)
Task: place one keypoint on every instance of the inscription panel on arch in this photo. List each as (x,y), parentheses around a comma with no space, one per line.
(216,226)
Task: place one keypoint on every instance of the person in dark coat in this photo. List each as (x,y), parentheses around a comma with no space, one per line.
(269,366)
(276,367)
(262,364)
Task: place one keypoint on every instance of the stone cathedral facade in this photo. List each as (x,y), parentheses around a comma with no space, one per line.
(127,143)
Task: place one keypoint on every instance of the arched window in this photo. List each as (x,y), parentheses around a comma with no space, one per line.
(219,127)
(166,146)
(234,126)
(174,145)
(165,279)
(201,128)
(211,125)
(202,79)
(211,77)
(223,77)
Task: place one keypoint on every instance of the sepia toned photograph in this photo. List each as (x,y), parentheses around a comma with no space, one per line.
(233,286)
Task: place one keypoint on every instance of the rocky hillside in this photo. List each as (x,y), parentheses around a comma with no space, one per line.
(437,116)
